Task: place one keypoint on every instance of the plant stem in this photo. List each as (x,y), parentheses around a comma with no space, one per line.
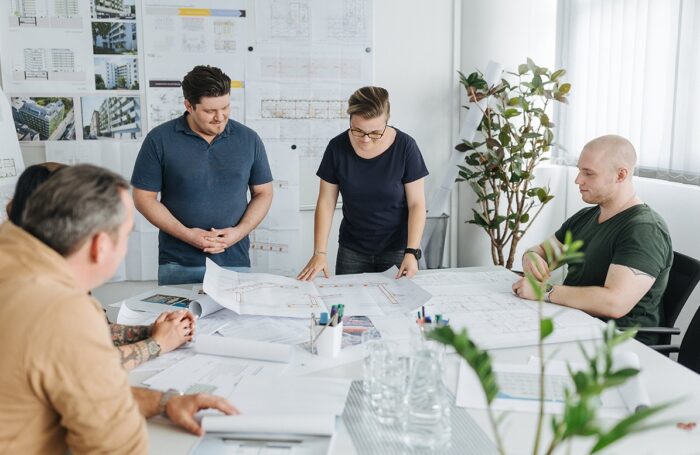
(494,428)
(540,418)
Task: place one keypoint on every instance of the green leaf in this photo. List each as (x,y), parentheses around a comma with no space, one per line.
(629,425)
(525,217)
(522,69)
(479,219)
(510,113)
(546,328)
(557,74)
(564,88)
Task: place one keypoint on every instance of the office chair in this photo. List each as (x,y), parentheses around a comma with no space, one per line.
(684,276)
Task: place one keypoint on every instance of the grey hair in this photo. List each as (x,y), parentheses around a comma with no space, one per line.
(73,205)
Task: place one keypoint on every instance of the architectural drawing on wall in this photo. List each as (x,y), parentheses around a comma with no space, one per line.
(166,102)
(302,108)
(225,36)
(8,168)
(212,33)
(314,21)
(46,13)
(42,119)
(114,38)
(46,64)
(103,154)
(276,251)
(297,111)
(7,190)
(193,39)
(113,9)
(179,37)
(277,63)
(288,20)
(283,157)
(346,21)
(111,117)
(11,162)
(116,73)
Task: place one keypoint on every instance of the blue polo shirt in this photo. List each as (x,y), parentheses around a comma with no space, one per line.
(203,185)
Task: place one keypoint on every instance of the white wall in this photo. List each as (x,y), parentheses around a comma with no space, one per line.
(505,31)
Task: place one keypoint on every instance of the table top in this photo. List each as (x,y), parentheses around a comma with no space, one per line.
(664,379)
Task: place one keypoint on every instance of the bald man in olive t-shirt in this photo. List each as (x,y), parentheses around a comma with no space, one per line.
(627,246)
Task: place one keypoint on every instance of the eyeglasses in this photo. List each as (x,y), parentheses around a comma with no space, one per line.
(374,135)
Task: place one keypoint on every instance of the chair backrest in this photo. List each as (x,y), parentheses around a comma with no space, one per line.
(689,354)
(684,276)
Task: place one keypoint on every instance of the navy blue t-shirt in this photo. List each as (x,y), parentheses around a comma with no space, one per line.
(203,185)
(375,210)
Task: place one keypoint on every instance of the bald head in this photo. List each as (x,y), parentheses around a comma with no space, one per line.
(615,150)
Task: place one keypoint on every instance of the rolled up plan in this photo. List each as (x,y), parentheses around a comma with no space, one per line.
(204,306)
(246,349)
(301,424)
(633,392)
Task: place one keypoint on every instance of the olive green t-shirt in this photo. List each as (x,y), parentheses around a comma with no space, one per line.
(636,237)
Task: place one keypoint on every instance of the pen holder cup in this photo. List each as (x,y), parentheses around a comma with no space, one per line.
(329,340)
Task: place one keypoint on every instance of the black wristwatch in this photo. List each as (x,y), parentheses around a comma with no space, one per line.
(414,251)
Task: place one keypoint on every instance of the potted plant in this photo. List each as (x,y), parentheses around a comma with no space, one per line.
(515,136)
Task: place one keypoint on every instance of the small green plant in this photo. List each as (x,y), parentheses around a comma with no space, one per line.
(515,136)
(580,417)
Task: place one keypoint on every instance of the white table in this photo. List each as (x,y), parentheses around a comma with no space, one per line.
(664,379)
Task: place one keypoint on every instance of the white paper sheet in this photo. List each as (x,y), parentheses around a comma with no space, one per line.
(162,298)
(290,395)
(245,349)
(519,389)
(128,316)
(203,306)
(11,161)
(484,304)
(371,294)
(210,374)
(633,392)
(301,424)
(261,294)
(290,331)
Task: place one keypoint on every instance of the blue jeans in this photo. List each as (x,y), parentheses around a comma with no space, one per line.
(172,273)
(349,261)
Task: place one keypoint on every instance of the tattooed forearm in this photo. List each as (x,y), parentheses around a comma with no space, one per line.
(639,272)
(125,334)
(133,355)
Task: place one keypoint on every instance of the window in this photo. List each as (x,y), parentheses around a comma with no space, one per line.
(634,66)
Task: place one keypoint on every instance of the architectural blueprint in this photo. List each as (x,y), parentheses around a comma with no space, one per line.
(365,294)
(484,304)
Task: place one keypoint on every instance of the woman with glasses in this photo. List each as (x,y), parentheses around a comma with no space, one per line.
(380,172)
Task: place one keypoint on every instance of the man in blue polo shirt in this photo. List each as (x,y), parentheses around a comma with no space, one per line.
(203,165)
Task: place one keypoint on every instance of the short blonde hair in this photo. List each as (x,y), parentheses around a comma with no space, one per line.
(369,102)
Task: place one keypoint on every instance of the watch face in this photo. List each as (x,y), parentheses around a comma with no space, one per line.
(153,347)
(419,253)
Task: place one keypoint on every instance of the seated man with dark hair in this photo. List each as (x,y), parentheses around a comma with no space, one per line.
(627,246)
(61,384)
